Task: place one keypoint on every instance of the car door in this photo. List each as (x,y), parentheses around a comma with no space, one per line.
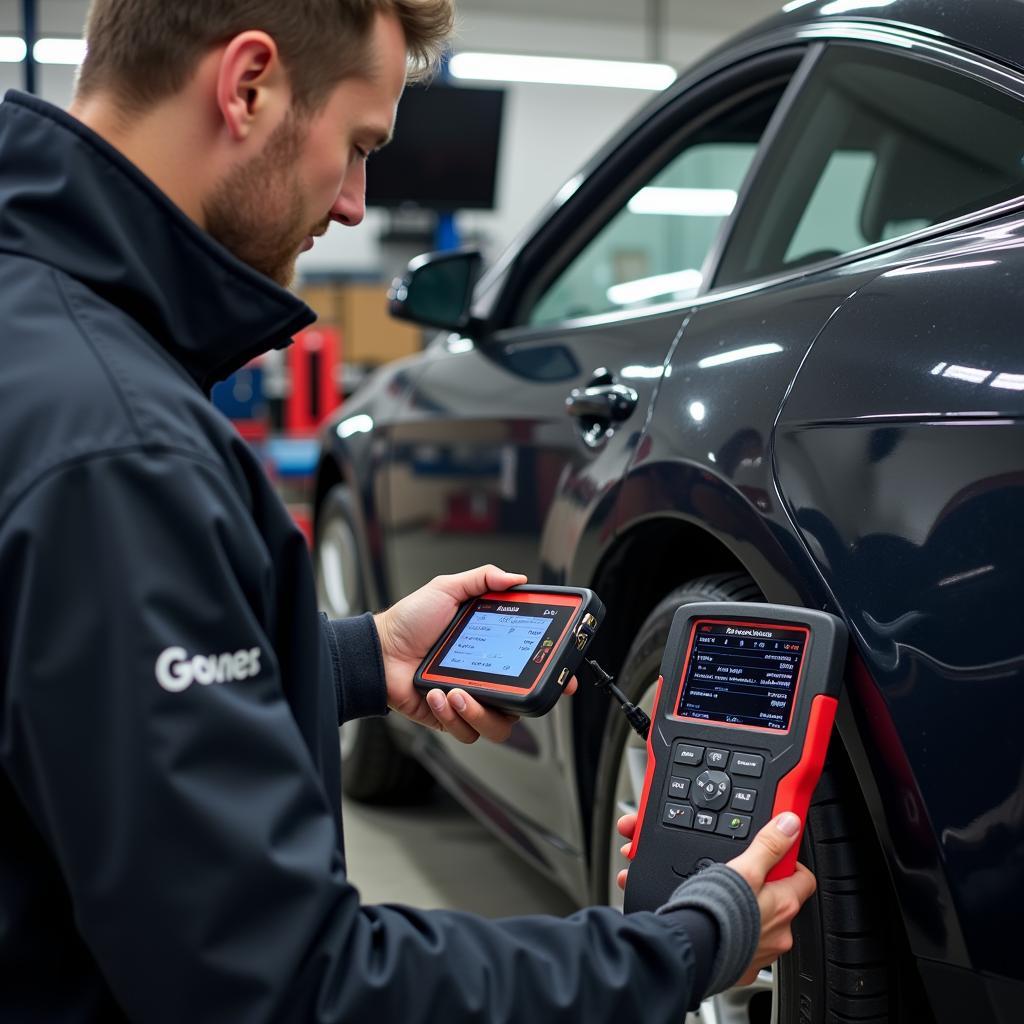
(517,437)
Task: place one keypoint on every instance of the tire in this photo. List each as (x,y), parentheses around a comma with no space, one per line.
(841,969)
(373,769)
(836,971)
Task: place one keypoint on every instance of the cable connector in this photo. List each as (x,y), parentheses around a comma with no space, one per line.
(637,719)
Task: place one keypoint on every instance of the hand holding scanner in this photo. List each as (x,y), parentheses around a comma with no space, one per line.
(742,720)
(515,649)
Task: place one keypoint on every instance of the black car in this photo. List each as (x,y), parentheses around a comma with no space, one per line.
(765,346)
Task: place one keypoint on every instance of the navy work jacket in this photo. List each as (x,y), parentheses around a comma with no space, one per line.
(170,827)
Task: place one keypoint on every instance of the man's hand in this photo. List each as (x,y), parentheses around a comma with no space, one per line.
(407,632)
(778,901)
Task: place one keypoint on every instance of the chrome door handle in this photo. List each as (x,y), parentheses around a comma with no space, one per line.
(610,403)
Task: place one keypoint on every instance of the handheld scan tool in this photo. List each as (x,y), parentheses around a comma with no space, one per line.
(516,649)
(742,720)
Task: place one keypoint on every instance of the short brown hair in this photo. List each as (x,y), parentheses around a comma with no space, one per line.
(146,50)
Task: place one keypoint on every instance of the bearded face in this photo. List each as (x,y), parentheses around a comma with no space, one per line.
(258,211)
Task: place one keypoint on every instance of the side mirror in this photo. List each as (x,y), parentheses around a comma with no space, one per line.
(437,289)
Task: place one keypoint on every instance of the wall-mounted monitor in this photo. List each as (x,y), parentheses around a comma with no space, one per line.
(444,155)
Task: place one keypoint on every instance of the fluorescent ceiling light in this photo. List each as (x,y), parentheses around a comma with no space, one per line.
(509,67)
(750,352)
(851,6)
(46,51)
(360,424)
(12,49)
(865,34)
(685,281)
(569,189)
(59,51)
(684,202)
(939,268)
(1010,381)
(642,372)
(971,374)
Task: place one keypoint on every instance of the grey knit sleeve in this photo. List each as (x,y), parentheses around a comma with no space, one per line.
(725,895)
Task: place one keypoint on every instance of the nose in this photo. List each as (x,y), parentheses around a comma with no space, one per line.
(350,206)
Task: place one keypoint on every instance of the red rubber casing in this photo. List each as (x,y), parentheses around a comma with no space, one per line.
(795,790)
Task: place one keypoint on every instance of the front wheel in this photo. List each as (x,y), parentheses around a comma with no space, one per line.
(837,966)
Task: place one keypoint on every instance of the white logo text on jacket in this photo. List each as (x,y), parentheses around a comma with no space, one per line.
(176,671)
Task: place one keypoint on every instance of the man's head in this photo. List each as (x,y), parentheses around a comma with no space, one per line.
(256,116)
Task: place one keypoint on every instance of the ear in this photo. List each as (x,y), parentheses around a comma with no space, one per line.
(251,83)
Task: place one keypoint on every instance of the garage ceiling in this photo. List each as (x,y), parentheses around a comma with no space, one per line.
(65,17)
(721,16)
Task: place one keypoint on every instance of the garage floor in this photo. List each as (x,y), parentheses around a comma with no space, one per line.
(418,856)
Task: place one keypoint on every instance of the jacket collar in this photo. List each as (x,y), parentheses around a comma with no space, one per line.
(69,199)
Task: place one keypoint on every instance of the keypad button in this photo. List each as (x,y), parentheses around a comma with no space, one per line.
(717,758)
(735,825)
(711,790)
(679,815)
(747,764)
(705,821)
(687,753)
(678,787)
(743,799)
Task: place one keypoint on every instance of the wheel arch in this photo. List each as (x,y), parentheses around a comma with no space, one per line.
(644,564)
(646,561)
(329,473)
(337,465)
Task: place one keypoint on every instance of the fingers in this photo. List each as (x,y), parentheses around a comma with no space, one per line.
(416,709)
(464,585)
(492,725)
(779,903)
(767,849)
(466,719)
(626,826)
(803,884)
(572,686)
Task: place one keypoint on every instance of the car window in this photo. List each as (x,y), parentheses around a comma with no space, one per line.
(652,250)
(875,146)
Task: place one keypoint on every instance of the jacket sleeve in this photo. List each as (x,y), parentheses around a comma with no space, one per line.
(146,731)
(357,667)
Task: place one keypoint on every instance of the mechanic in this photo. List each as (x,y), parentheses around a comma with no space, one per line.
(169,767)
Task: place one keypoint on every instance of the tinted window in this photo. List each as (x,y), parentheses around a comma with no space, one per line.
(875,147)
(653,248)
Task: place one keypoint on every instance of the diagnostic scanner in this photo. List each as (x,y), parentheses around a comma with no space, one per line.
(741,723)
(515,649)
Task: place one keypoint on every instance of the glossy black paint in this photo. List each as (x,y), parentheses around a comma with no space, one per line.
(836,458)
(907,485)
(497,471)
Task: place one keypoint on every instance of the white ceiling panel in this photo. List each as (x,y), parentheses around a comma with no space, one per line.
(718,16)
(65,17)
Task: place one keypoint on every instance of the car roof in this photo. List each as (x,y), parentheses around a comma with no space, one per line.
(994,28)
